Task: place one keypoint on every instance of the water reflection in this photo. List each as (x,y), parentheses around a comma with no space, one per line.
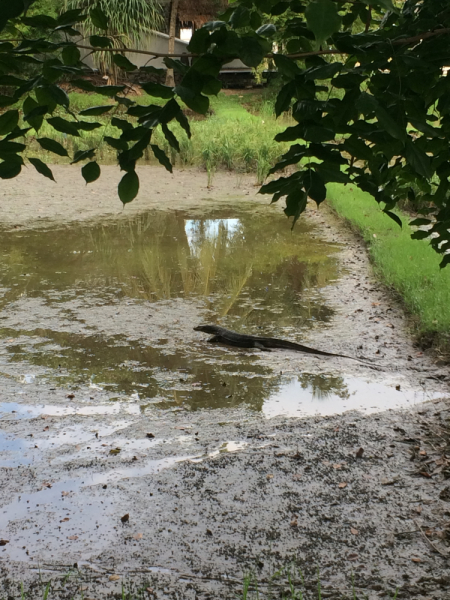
(253,269)
(327,395)
(250,271)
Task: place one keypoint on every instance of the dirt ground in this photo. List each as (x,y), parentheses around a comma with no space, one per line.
(195,500)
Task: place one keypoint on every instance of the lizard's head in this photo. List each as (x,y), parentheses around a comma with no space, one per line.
(206,328)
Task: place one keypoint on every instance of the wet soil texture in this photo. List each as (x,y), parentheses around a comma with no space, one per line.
(135,450)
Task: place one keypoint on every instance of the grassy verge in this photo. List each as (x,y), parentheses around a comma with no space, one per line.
(410,267)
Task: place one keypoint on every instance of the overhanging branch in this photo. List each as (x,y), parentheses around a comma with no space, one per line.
(395,42)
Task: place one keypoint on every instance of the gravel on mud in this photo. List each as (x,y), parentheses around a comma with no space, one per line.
(185,504)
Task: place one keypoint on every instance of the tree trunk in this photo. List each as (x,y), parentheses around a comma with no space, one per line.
(170,80)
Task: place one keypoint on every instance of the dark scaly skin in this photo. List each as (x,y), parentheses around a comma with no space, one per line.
(232,338)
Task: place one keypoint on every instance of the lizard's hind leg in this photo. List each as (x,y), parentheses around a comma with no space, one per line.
(261,347)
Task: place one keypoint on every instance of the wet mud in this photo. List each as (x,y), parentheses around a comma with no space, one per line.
(146,457)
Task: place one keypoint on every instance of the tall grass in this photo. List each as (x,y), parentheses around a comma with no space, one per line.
(229,138)
(411,267)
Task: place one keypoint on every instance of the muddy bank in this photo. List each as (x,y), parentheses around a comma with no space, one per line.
(338,493)
(113,406)
(31,199)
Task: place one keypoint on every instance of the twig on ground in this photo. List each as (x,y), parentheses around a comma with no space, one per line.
(429,541)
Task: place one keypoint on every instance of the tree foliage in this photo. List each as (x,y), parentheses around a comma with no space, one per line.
(365,83)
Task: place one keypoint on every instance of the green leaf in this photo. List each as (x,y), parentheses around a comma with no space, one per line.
(83,84)
(162,157)
(85,126)
(213,25)
(212,86)
(182,120)
(8,121)
(284,98)
(420,235)
(323,19)
(158,90)
(314,186)
(368,104)
(120,145)
(121,124)
(96,111)
(41,168)
(324,72)
(200,41)
(9,168)
(251,52)
(123,63)
(286,66)
(267,30)
(420,222)
(42,21)
(98,18)
(295,205)
(100,41)
(425,128)
(279,8)
(176,65)
(36,116)
(71,55)
(124,101)
(90,172)
(71,16)
(52,146)
(108,90)
(64,126)
(445,261)
(11,80)
(170,137)
(394,217)
(196,102)
(16,132)
(11,146)
(128,187)
(152,70)
(255,20)
(6,100)
(83,155)
(10,10)
(240,17)
(57,94)
(419,161)
(169,111)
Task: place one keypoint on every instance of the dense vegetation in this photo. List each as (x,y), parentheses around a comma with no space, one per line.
(364,83)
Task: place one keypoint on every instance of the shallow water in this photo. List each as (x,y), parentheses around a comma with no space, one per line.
(69,295)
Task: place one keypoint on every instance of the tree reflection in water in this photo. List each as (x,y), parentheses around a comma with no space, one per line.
(247,269)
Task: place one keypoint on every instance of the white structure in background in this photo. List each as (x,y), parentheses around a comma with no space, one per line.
(186,34)
(159,42)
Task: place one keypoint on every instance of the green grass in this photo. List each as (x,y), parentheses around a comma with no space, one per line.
(288,583)
(229,138)
(411,267)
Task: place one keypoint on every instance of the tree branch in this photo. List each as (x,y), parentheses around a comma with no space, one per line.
(397,42)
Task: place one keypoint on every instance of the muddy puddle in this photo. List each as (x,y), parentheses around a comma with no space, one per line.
(110,308)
